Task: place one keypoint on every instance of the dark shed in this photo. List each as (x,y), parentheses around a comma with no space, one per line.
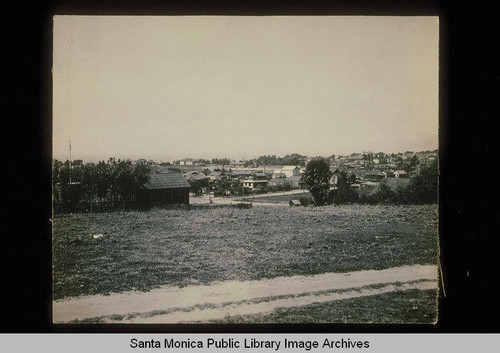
(166,188)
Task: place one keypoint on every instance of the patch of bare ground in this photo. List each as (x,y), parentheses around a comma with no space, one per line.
(220,300)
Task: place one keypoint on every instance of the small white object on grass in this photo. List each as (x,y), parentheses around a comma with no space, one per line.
(97,236)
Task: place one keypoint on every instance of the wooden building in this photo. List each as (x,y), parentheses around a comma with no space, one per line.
(165,189)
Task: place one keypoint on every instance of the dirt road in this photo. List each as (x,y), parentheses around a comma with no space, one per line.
(218,300)
(203,200)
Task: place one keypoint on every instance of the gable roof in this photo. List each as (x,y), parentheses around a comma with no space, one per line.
(289,167)
(374,172)
(294,178)
(166,181)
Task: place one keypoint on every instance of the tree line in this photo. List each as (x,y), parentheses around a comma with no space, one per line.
(422,188)
(103,184)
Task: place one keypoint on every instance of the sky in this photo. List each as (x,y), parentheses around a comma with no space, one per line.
(238,87)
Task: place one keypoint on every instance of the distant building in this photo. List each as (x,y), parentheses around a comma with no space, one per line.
(293,182)
(237,164)
(374,175)
(165,189)
(401,174)
(296,182)
(194,176)
(389,173)
(279,182)
(186,161)
(277,173)
(291,170)
(252,184)
(355,157)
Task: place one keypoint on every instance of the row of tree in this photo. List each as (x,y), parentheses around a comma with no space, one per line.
(289,159)
(421,189)
(114,182)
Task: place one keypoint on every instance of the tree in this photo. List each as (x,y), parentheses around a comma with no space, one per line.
(423,188)
(102,179)
(293,159)
(317,180)
(89,182)
(330,159)
(344,192)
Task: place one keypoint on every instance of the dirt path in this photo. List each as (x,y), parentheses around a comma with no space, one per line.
(173,305)
(201,200)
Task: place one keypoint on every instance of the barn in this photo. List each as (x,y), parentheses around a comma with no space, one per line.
(165,189)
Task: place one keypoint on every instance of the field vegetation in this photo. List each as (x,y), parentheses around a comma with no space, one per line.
(406,307)
(141,250)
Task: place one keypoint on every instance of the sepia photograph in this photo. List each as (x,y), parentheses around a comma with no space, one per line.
(245,170)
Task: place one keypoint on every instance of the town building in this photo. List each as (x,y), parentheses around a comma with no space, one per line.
(165,189)
(290,170)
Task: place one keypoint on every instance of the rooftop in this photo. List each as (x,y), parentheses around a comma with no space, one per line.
(166,181)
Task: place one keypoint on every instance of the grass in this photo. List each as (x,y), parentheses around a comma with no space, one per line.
(144,250)
(408,307)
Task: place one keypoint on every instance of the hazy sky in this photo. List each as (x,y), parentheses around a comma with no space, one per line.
(213,86)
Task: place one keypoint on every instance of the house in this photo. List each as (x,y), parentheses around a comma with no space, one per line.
(389,173)
(237,164)
(186,161)
(239,175)
(374,175)
(260,176)
(253,184)
(194,176)
(257,180)
(291,170)
(218,175)
(296,182)
(279,182)
(335,174)
(165,189)
(401,174)
(293,182)
(277,173)
(355,157)
(355,161)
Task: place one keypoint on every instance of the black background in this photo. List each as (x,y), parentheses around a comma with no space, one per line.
(469,210)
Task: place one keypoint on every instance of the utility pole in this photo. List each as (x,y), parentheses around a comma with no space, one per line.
(70,160)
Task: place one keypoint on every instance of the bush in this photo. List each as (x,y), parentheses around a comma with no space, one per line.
(342,195)
(304,201)
(244,205)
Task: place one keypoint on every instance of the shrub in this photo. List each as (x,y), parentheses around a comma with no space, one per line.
(304,201)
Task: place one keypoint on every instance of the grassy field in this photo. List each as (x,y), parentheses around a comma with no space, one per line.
(409,307)
(144,250)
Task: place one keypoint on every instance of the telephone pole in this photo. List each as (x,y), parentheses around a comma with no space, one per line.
(70,160)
